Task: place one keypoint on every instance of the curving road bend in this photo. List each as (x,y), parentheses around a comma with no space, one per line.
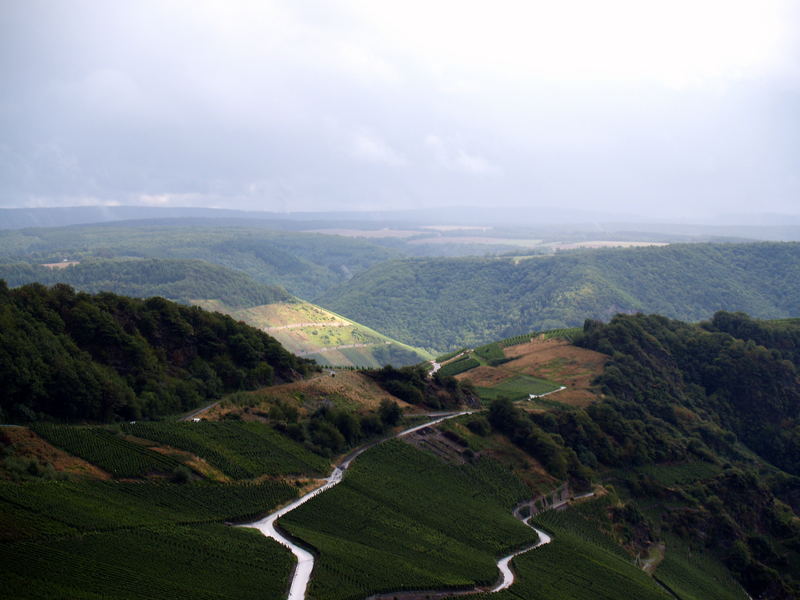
(305,559)
(504,564)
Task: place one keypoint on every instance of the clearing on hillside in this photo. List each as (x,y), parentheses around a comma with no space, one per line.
(553,360)
(313,332)
(349,390)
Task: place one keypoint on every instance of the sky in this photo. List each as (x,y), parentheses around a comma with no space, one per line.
(664,109)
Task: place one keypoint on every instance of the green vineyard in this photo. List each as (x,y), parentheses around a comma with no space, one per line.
(58,507)
(459,366)
(107,449)
(202,562)
(579,564)
(240,450)
(403,519)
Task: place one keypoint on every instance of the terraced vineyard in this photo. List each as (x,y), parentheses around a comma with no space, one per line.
(240,450)
(403,519)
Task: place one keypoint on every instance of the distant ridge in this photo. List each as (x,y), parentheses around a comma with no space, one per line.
(450,303)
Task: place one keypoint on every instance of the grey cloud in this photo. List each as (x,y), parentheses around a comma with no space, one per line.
(288,105)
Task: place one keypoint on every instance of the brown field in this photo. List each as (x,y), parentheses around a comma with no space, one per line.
(367,233)
(30,445)
(555,360)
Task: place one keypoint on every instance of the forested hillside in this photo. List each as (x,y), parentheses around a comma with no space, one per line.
(306,264)
(74,356)
(179,280)
(448,303)
(697,431)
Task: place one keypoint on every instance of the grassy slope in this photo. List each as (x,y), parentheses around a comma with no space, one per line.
(449,303)
(314,332)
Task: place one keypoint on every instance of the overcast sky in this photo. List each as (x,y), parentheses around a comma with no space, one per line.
(658,108)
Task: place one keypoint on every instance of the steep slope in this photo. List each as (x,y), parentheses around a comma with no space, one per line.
(697,432)
(75,356)
(447,303)
(301,327)
(330,339)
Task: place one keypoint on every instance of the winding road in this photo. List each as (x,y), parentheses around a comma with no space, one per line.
(504,564)
(305,560)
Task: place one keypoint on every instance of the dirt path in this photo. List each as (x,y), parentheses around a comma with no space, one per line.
(199,411)
(332,348)
(305,560)
(299,325)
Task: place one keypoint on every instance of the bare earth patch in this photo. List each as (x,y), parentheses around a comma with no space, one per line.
(30,445)
(486,376)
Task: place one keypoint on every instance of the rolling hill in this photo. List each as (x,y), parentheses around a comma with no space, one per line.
(305,264)
(443,304)
(659,480)
(302,328)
